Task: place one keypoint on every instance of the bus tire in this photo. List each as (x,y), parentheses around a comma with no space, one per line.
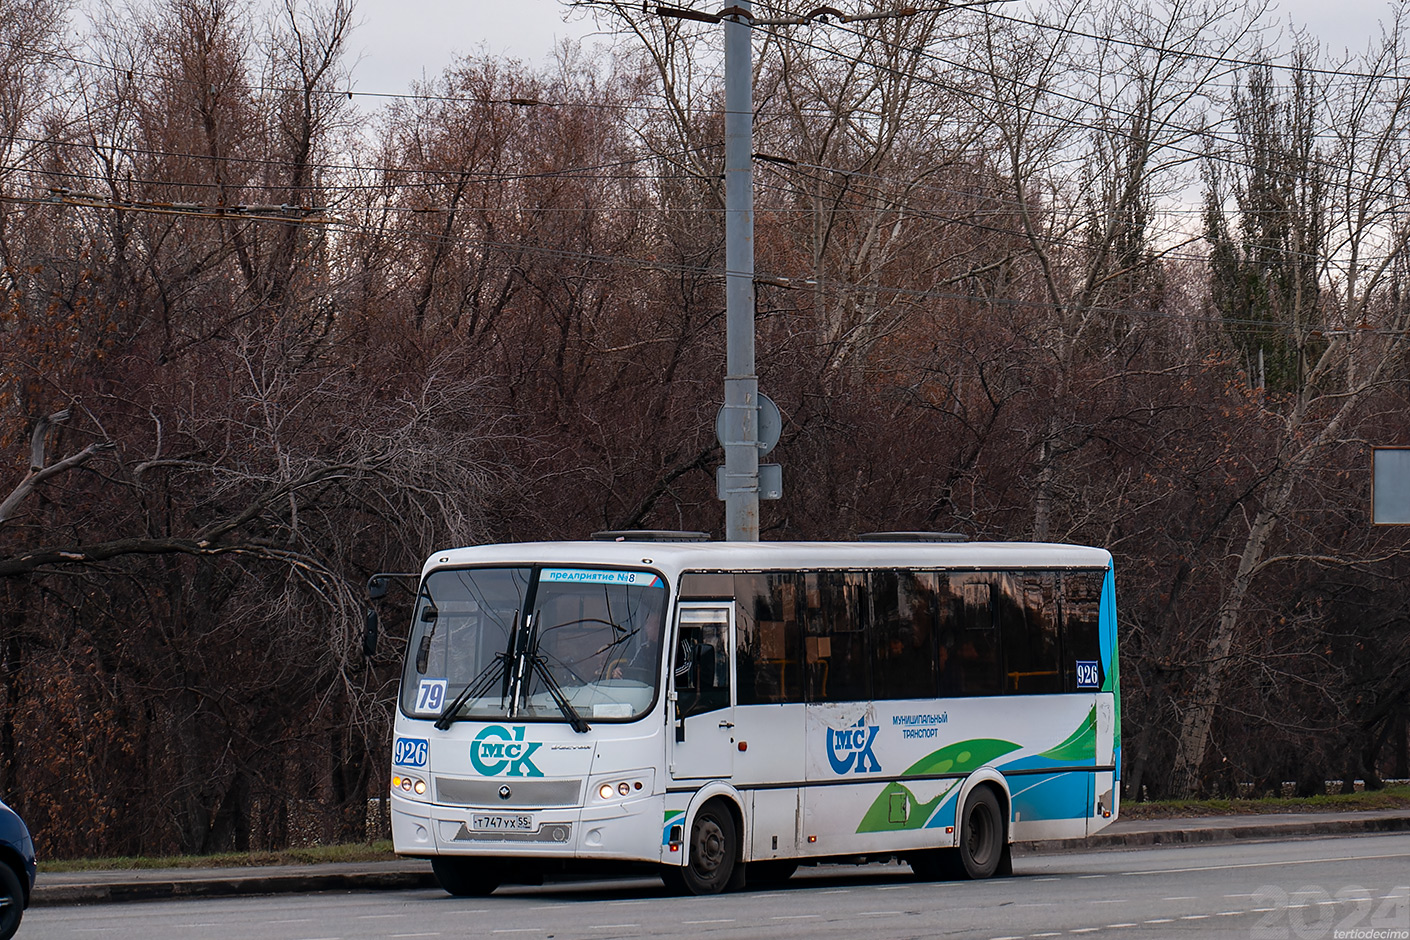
(465,877)
(713,853)
(983,835)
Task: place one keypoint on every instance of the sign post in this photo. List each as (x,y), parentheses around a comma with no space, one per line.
(740,415)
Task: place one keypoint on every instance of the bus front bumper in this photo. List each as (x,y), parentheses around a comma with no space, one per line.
(629,830)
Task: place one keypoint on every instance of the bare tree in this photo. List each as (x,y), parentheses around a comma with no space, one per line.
(1361,348)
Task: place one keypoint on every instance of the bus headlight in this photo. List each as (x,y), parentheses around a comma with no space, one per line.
(409,784)
(618,788)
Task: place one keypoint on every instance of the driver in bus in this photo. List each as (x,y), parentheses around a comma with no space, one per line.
(638,665)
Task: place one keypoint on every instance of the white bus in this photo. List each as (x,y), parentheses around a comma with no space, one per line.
(730,710)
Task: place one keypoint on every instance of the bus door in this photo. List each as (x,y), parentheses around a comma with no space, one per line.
(702,692)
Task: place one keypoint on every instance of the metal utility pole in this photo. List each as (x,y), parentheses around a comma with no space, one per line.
(740,417)
(748,425)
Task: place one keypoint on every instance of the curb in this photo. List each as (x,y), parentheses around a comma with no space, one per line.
(225,883)
(408,874)
(1197,834)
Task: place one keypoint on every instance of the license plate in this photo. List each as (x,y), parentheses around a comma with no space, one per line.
(502,822)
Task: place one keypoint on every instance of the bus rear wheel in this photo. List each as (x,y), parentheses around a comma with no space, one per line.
(983,844)
(713,850)
(465,877)
(983,835)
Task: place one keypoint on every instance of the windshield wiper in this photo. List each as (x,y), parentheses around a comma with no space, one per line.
(540,666)
(483,682)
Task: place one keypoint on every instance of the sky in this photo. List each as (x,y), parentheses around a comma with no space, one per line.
(402,40)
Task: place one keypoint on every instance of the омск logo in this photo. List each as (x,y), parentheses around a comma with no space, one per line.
(850,748)
(506,754)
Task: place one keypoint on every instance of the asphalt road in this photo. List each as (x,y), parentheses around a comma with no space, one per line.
(1354,887)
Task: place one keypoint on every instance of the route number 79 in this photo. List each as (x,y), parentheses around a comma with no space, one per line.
(431,696)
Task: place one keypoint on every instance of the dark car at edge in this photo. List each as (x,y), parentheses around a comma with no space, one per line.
(17,870)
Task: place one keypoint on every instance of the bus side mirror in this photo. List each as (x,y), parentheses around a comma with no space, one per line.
(369,633)
(423,655)
(377,587)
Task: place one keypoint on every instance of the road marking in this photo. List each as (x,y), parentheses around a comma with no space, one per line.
(1277,864)
(1053,933)
(612,926)
(1084,930)
(1181,899)
(1228,914)
(723,920)
(874,913)
(383,916)
(837,891)
(519,930)
(1091,876)
(1047,878)
(1160,920)
(1115,926)
(416,935)
(796,917)
(1194,917)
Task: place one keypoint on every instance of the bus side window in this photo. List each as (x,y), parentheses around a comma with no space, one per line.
(902,634)
(1028,622)
(837,657)
(1081,602)
(974,641)
(702,668)
(767,635)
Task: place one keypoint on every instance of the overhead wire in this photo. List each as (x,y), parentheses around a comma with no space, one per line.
(1187,154)
(488,178)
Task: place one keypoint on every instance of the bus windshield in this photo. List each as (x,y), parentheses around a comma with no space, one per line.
(588,650)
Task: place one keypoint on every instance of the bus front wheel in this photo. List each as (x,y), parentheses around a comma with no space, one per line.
(465,877)
(713,849)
